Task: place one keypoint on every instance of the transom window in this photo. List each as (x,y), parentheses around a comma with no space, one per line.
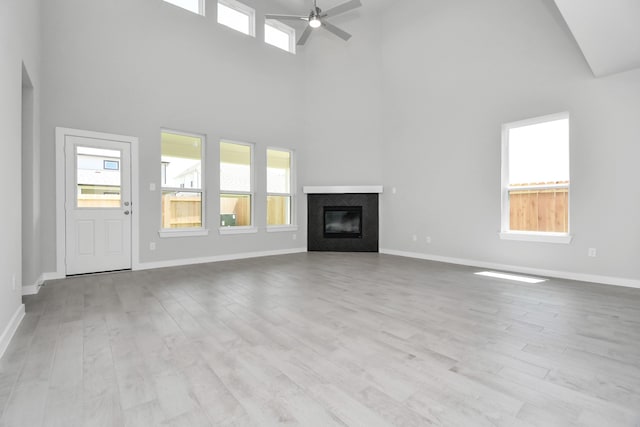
(182,180)
(279,35)
(236,184)
(535,177)
(279,196)
(238,16)
(195,6)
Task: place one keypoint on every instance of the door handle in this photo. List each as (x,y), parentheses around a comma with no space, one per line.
(126,212)
(126,203)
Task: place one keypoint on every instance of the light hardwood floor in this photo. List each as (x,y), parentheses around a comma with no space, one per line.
(323,339)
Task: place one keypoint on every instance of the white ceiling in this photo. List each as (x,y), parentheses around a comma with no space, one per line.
(304,6)
(607,31)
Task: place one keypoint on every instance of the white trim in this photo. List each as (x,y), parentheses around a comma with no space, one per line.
(35,288)
(592,278)
(283,28)
(241,8)
(44,277)
(31,289)
(252,186)
(218,258)
(166,232)
(536,187)
(52,276)
(61,133)
(281,228)
(292,194)
(10,330)
(524,236)
(178,232)
(537,120)
(504,172)
(238,230)
(200,10)
(342,189)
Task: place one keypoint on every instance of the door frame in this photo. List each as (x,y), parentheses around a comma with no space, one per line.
(61,244)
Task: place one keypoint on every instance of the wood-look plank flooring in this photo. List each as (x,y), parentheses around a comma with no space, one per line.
(323,339)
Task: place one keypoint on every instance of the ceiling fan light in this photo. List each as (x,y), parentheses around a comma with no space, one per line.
(314,22)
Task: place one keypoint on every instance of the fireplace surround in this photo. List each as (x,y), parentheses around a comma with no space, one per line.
(342,219)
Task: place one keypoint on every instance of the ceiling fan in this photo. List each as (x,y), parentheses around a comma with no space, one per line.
(317,19)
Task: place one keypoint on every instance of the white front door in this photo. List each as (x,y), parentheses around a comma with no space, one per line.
(97,205)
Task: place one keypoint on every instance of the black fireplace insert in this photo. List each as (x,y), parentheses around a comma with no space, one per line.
(343,222)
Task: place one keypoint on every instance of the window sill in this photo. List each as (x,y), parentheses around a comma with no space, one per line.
(563,238)
(194,232)
(238,230)
(281,228)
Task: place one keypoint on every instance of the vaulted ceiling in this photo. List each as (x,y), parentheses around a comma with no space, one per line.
(608,32)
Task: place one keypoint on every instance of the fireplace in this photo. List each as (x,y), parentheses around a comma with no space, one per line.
(342,222)
(342,219)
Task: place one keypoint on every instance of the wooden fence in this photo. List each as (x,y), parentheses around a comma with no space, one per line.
(181,212)
(539,210)
(98,200)
(185,212)
(241,206)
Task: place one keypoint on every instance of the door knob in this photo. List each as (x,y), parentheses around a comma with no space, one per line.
(126,212)
(126,203)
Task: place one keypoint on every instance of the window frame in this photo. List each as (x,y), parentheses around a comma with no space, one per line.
(239,229)
(533,236)
(285,29)
(242,8)
(293,226)
(201,7)
(191,231)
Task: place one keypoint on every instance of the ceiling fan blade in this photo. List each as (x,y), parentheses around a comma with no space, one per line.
(305,35)
(335,30)
(342,8)
(291,17)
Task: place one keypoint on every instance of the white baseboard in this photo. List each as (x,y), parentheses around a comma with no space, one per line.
(11,328)
(35,288)
(606,280)
(217,258)
(32,289)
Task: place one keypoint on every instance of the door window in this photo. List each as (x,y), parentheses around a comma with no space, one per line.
(98,178)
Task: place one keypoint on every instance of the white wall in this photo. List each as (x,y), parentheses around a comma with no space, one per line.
(19,43)
(415,100)
(343,101)
(133,67)
(453,72)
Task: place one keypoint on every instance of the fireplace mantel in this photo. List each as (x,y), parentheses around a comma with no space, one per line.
(342,189)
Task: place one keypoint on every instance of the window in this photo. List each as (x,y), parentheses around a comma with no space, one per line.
(195,6)
(98,184)
(236,185)
(182,181)
(280,35)
(238,16)
(279,197)
(535,179)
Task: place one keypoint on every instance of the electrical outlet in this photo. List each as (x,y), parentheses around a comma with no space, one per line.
(294,237)
(592,252)
(152,246)
(393,190)
(152,186)
(415,237)
(428,239)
